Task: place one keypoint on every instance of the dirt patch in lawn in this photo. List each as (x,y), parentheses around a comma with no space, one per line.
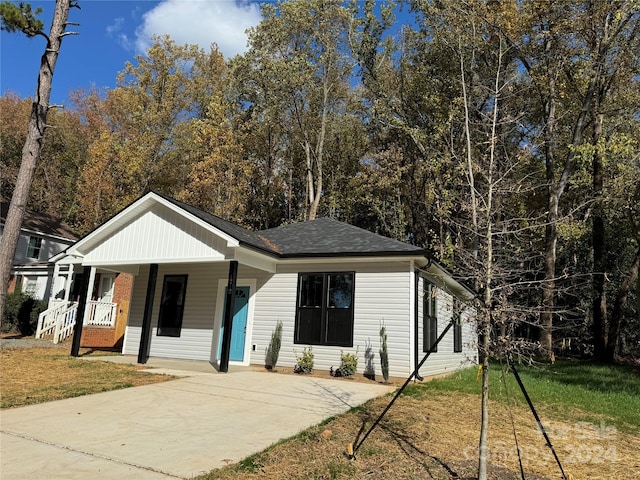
(41,374)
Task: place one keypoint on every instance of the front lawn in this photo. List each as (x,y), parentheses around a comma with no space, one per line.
(591,412)
(41,374)
(567,389)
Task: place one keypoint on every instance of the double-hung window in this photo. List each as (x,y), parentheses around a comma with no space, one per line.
(324,312)
(34,247)
(430,317)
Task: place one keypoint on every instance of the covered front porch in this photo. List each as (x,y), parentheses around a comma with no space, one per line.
(183,310)
(193,288)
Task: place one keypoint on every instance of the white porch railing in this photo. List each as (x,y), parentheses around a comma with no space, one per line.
(60,319)
(66,322)
(57,314)
(101,314)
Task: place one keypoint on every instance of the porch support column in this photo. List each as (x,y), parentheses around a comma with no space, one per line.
(92,279)
(228,316)
(82,302)
(54,283)
(68,282)
(145,336)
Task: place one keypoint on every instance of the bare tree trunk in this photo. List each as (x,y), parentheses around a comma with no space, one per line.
(315,187)
(599,295)
(484,340)
(553,199)
(483,443)
(32,147)
(470,173)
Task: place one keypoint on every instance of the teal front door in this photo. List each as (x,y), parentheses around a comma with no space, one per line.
(238,326)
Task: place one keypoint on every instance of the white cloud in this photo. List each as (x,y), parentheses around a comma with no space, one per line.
(115,30)
(200,22)
(116,26)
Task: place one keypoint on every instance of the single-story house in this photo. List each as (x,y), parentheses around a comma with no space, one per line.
(332,285)
(41,237)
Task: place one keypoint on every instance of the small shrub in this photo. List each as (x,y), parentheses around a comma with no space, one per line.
(384,354)
(273,352)
(21,313)
(348,365)
(304,363)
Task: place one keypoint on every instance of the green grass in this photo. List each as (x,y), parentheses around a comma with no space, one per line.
(580,391)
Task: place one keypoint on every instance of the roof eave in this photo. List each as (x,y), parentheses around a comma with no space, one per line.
(408,254)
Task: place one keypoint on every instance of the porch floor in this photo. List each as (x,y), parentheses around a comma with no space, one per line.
(169,430)
(168,366)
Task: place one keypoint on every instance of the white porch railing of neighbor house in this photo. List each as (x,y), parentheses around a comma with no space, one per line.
(102,314)
(59,313)
(60,319)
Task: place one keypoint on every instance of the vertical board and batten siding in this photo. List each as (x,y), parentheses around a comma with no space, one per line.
(158,235)
(382,294)
(445,360)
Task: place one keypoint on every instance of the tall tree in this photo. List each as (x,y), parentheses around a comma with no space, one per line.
(573,53)
(147,126)
(22,18)
(299,58)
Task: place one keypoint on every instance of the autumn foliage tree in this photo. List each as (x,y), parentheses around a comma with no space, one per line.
(297,73)
(147,127)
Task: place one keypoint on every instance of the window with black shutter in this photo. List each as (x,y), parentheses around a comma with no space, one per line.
(457,326)
(430,317)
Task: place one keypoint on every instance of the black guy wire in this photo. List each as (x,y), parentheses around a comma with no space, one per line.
(399,392)
(513,425)
(535,414)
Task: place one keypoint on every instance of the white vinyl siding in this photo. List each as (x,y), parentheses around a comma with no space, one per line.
(196,335)
(197,340)
(381,295)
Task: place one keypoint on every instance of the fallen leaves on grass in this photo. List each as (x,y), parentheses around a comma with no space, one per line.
(36,375)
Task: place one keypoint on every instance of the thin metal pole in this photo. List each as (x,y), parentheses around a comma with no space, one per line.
(513,424)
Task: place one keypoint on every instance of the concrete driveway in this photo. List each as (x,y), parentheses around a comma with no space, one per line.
(175,429)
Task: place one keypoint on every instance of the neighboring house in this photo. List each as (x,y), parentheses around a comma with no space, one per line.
(41,237)
(332,286)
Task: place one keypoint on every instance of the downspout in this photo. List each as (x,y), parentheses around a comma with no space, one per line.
(416,279)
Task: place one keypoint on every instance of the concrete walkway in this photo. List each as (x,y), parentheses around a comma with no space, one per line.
(175,429)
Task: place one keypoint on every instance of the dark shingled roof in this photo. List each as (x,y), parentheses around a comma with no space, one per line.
(323,237)
(41,223)
(329,237)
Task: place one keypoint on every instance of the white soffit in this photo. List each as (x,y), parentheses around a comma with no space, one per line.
(443,279)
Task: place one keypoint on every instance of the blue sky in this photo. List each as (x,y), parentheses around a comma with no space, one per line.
(113,32)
